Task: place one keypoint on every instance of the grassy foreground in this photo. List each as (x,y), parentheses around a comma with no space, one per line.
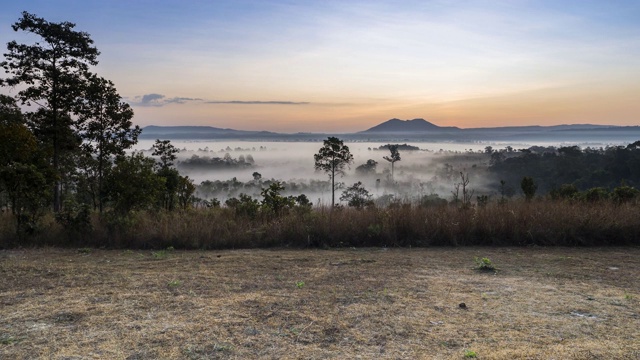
(543,303)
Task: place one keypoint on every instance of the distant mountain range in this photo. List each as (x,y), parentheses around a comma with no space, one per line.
(406,126)
(422,125)
(411,130)
(200,132)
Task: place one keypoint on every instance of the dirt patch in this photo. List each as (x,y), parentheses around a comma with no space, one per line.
(542,303)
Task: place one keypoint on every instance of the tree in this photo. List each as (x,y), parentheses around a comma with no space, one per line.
(107,128)
(166,151)
(257,176)
(186,189)
(52,71)
(496,158)
(395,156)
(164,166)
(467,193)
(356,196)
(23,175)
(528,187)
(332,158)
(9,111)
(133,184)
(367,168)
(273,201)
(17,143)
(27,193)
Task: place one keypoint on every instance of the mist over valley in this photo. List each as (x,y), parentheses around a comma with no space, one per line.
(225,168)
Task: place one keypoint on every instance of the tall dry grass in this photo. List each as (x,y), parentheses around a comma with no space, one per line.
(520,223)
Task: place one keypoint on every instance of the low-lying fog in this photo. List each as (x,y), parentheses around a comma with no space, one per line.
(434,168)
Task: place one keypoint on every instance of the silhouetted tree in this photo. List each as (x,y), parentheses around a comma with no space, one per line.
(528,187)
(273,201)
(52,75)
(167,155)
(356,196)
(166,151)
(133,184)
(23,175)
(395,156)
(367,168)
(106,128)
(332,158)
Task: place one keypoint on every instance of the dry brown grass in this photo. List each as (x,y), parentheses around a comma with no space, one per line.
(516,223)
(543,303)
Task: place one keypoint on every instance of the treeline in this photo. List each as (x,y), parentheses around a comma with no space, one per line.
(558,170)
(196,162)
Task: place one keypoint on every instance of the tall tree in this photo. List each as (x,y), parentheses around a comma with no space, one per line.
(164,168)
(332,158)
(106,128)
(52,72)
(395,156)
(23,177)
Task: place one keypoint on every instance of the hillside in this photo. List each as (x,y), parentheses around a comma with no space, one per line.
(407,126)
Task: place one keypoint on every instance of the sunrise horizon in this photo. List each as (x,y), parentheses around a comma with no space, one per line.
(340,67)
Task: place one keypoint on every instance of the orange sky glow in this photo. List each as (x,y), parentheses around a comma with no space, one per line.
(336,66)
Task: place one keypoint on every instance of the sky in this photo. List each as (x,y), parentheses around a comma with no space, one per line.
(345,66)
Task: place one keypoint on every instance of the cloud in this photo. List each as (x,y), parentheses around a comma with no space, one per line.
(150,98)
(256,102)
(180,100)
(159,100)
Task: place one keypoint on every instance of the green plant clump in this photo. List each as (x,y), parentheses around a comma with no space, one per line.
(158,255)
(484,264)
(470,354)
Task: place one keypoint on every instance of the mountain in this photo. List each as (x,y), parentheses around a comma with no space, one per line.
(407,126)
(199,132)
(396,130)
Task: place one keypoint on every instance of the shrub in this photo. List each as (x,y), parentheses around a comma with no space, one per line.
(484,264)
(356,196)
(244,206)
(528,187)
(482,200)
(432,200)
(565,191)
(75,219)
(595,194)
(623,194)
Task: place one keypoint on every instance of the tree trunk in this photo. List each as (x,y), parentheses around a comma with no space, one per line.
(333,188)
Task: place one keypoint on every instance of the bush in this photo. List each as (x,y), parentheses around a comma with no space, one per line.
(356,196)
(432,200)
(624,194)
(564,192)
(528,188)
(595,194)
(75,219)
(244,206)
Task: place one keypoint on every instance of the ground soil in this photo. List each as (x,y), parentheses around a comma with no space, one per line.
(541,303)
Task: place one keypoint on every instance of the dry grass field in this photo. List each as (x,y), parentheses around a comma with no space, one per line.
(542,303)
